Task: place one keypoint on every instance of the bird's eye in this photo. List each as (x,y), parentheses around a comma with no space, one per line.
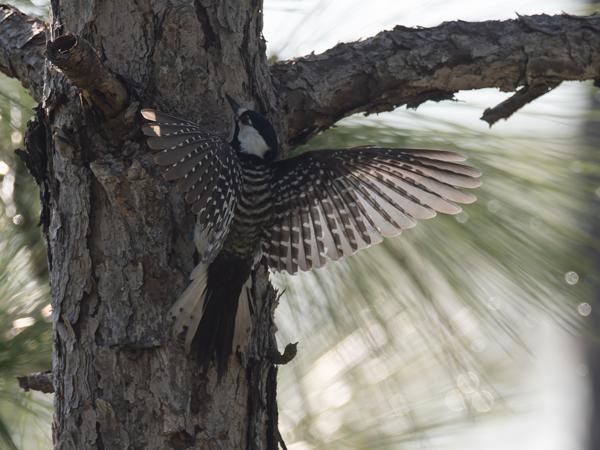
(245,120)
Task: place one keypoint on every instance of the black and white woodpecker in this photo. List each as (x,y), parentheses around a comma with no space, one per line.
(298,213)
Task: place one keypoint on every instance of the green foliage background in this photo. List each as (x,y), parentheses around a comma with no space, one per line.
(25,332)
(421,335)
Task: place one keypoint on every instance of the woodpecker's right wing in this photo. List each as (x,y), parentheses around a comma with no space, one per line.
(206,168)
(331,203)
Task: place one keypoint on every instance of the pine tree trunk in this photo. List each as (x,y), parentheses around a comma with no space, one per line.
(117,235)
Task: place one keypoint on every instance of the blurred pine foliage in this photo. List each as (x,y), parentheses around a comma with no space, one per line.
(25,332)
(411,339)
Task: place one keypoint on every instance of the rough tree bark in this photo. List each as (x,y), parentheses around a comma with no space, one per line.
(117,246)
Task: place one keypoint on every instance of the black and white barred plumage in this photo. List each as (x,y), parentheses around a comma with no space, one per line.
(298,213)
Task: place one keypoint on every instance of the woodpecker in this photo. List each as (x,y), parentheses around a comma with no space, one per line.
(298,212)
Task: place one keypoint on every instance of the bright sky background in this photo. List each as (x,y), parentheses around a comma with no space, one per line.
(294,28)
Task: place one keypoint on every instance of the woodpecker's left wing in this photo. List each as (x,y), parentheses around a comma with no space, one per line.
(206,168)
(332,203)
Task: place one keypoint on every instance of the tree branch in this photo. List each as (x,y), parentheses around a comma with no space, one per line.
(508,107)
(22,44)
(82,66)
(408,66)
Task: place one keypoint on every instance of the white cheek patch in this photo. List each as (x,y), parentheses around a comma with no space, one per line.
(251,141)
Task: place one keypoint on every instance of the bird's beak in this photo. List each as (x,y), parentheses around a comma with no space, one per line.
(234,105)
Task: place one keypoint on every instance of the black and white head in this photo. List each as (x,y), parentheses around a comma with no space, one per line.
(254,134)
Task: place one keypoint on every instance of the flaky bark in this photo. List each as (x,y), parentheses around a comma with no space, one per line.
(408,66)
(118,252)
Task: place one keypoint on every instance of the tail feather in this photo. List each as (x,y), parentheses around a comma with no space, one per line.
(207,311)
(243,321)
(189,307)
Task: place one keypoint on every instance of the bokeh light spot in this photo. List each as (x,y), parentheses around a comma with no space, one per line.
(23,322)
(455,401)
(462,217)
(571,278)
(16,137)
(493,206)
(584,309)
(4,168)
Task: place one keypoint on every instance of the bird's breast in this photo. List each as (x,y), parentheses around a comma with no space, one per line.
(253,211)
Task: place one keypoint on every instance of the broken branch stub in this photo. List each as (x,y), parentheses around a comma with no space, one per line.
(80,63)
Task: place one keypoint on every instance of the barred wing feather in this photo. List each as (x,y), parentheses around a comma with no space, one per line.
(332,203)
(206,168)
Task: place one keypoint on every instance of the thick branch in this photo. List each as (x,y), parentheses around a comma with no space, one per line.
(22,44)
(82,66)
(408,66)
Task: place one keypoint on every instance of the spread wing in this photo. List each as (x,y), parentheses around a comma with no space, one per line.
(206,168)
(332,203)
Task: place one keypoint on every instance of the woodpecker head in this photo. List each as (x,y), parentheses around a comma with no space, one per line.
(253,134)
